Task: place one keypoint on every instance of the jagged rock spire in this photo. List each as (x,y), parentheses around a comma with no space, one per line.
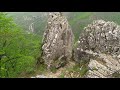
(57,40)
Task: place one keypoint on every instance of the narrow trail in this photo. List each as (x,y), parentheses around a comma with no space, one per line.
(57,73)
(31,28)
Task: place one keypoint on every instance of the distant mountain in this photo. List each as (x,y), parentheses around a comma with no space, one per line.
(31,22)
(35,22)
(79,20)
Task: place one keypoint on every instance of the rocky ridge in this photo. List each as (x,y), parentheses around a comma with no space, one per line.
(99,45)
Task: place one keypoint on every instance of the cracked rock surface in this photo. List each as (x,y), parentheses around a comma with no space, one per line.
(57,41)
(99,44)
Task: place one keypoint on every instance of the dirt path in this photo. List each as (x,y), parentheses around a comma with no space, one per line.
(57,73)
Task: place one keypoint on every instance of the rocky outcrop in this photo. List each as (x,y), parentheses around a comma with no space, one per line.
(103,66)
(99,44)
(57,41)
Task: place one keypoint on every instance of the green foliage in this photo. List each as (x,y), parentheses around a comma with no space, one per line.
(109,16)
(76,71)
(78,21)
(79,16)
(41,69)
(53,69)
(116,75)
(18,50)
(81,71)
(62,75)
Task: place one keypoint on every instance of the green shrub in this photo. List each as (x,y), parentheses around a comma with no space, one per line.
(18,50)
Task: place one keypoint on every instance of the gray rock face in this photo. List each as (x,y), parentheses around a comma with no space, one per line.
(57,40)
(99,44)
(103,66)
(100,36)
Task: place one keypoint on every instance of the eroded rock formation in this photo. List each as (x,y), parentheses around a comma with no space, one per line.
(57,41)
(99,44)
(103,66)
